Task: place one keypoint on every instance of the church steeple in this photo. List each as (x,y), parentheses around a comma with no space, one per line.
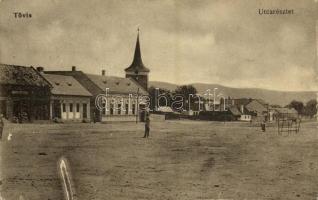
(137,69)
(137,64)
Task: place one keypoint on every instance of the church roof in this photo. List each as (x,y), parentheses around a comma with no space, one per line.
(117,85)
(137,64)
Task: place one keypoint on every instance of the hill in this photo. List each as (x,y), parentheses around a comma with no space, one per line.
(271,96)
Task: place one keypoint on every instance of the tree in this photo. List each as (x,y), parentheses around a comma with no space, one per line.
(311,108)
(159,96)
(297,105)
(275,106)
(188,92)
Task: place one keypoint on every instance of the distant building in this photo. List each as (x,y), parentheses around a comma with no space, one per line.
(235,112)
(165,109)
(258,109)
(24,94)
(284,113)
(248,109)
(69,100)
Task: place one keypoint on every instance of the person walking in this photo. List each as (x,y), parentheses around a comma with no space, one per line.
(147,127)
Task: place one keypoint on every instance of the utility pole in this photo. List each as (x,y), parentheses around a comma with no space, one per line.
(137,113)
(214,98)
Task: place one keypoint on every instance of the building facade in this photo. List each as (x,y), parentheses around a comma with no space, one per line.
(24,94)
(69,100)
(248,109)
(113,98)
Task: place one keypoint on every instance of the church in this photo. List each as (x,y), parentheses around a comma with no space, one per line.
(123,101)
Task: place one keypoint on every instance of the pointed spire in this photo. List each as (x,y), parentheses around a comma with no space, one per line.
(137,64)
(137,56)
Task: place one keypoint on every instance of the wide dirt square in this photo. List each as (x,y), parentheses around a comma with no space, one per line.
(180,160)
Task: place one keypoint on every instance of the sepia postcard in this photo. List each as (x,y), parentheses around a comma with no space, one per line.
(158,99)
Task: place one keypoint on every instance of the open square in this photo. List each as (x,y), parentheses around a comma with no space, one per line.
(181,160)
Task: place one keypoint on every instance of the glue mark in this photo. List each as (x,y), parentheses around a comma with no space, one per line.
(1,198)
(66,179)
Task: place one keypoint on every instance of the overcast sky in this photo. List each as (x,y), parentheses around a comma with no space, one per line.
(225,42)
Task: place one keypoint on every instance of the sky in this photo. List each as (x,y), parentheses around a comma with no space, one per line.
(205,41)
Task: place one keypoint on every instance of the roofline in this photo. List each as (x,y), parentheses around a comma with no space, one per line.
(102,89)
(116,92)
(92,81)
(42,76)
(88,96)
(91,95)
(138,84)
(36,71)
(143,69)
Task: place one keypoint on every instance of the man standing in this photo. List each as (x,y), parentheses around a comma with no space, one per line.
(263,126)
(147,127)
(94,116)
(1,125)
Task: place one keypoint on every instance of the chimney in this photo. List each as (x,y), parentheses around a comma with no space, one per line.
(104,72)
(40,69)
(73,68)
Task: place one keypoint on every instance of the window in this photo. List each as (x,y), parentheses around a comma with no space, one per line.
(64,107)
(104,108)
(3,107)
(71,107)
(119,109)
(126,108)
(134,109)
(77,107)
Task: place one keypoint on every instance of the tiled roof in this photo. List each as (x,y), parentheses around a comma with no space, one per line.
(256,106)
(262,102)
(66,85)
(235,111)
(21,75)
(117,85)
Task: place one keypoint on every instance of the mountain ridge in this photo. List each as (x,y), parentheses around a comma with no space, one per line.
(273,97)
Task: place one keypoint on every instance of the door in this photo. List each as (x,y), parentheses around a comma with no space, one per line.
(21,111)
(56,109)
